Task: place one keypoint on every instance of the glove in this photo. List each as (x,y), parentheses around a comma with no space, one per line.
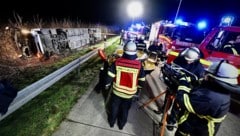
(107,87)
(136,96)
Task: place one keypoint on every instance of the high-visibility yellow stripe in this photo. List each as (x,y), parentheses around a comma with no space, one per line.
(211,122)
(210,128)
(235,52)
(188,103)
(183,134)
(173,53)
(142,79)
(209,118)
(184,88)
(183,117)
(205,62)
(111,74)
(122,95)
(124,89)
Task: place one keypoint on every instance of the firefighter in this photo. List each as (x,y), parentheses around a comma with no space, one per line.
(206,106)
(140,43)
(121,37)
(155,46)
(232,46)
(190,60)
(128,77)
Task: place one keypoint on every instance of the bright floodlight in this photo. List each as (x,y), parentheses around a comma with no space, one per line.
(135,9)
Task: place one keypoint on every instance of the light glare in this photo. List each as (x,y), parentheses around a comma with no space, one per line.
(135,9)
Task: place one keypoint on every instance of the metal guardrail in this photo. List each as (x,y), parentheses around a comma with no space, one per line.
(31,91)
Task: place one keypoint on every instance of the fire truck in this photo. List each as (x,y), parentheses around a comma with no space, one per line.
(136,32)
(222,42)
(215,47)
(178,35)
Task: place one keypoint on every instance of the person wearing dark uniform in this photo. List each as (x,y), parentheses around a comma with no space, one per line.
(206,106)
(233,47)
(155,47)
(189,59)
(127,75)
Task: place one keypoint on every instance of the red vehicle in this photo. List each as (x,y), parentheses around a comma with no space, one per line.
(215,46)
(176,36)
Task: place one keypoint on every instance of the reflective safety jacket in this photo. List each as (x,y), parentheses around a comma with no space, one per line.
(126,73)
(203,108)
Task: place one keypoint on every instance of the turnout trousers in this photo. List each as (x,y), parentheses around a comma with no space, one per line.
(118,110)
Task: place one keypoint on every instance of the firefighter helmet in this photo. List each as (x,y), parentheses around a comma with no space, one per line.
(130,48)
(191,54)
(224,72)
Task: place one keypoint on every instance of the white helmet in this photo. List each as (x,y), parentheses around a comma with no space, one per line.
(191,54)
(224,72)
(130,48)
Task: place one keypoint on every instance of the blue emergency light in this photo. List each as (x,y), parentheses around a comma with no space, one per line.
(226,21)
(202,25)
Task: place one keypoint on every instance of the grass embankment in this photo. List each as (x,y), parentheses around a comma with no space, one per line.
(42,115)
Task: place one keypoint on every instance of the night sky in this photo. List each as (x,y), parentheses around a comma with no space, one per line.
(113,12)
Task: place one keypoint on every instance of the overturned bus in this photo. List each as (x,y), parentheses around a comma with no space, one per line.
(47,41)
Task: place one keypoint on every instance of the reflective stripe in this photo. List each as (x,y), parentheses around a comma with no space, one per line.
(188,79)
(188,103)
(184,88)
(183,117)
(182,78)
(233,49)
(227,46)
(123,88)
(173,53)
(211,122)
(142,79)
(122,95)
(210,128)
(205,62)
(183,134)
(111,74)
(235,52)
